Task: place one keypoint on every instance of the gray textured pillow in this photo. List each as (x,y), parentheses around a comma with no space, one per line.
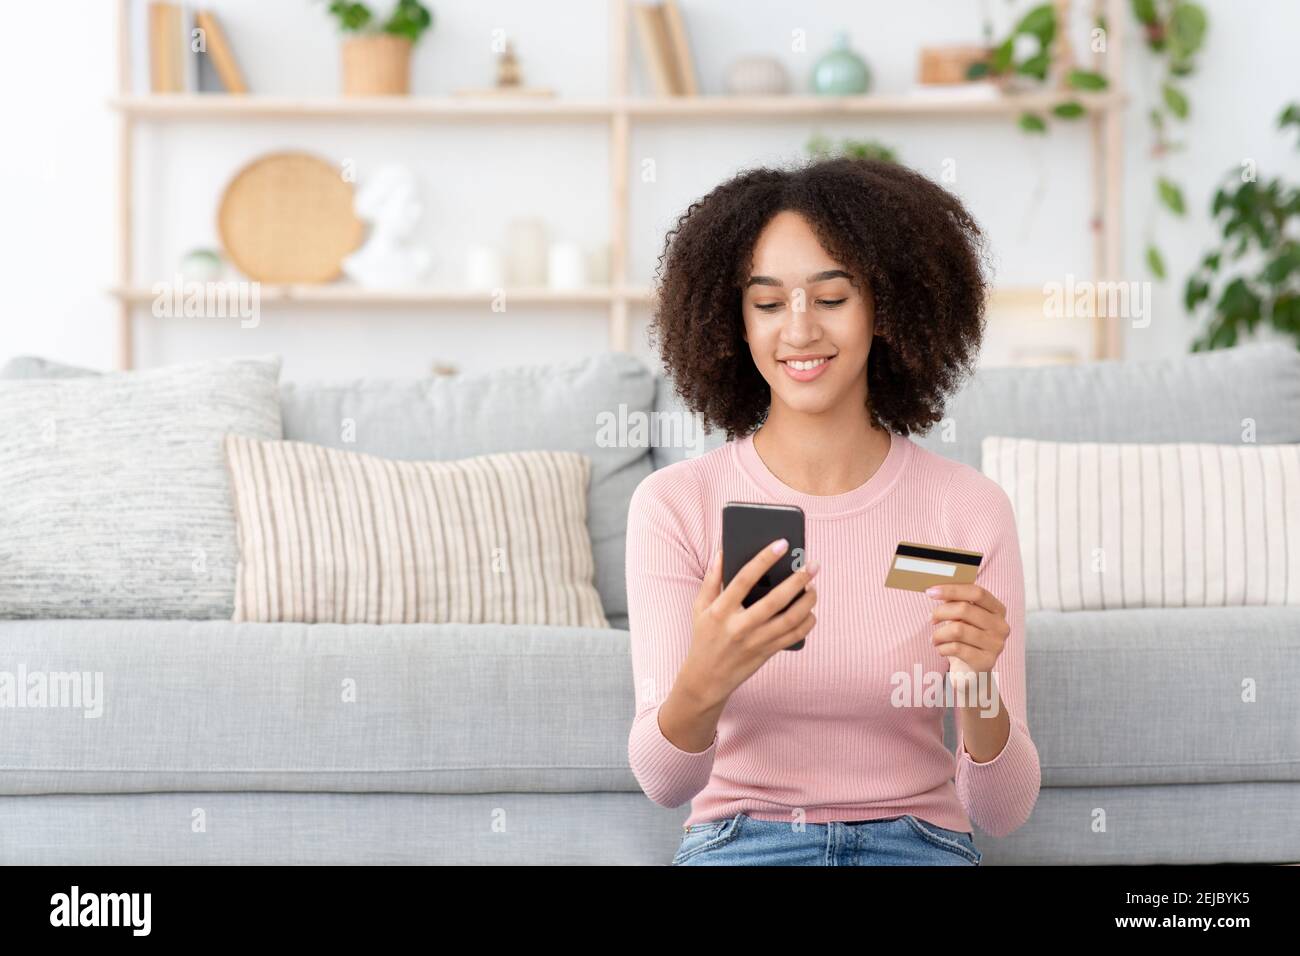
(114,499)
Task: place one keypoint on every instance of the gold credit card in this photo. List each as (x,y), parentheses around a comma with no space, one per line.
(918,566)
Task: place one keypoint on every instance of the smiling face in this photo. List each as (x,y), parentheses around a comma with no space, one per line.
(808,327)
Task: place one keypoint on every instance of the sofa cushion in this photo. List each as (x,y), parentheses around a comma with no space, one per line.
(1127,697)
(114,500)
(341,537)
(1124,524)
(557,407)
(681,434)
(417,708)
(1154,696)
(1201,397)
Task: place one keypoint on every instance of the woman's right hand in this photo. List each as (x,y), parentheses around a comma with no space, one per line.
(730,641)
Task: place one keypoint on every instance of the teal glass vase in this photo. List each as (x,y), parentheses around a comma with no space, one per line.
(841,72)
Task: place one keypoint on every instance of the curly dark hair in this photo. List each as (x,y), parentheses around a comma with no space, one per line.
(916,246)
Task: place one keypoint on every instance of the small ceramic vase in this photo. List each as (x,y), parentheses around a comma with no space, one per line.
(841,72)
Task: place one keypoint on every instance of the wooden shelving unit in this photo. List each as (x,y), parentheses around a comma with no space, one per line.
(344,296)
(216,106)
(347,295)
(618,111)
(211,106)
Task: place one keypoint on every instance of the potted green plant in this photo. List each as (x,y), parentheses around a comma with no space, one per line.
(377,49)
(820,146)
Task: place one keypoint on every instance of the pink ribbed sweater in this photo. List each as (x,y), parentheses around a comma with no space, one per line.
(815,729)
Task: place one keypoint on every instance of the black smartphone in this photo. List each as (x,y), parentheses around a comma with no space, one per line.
(747,529)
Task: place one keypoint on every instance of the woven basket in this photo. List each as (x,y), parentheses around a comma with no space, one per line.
(378,65)
(287,217)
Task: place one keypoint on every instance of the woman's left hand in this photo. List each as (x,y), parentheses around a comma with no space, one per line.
(972,624)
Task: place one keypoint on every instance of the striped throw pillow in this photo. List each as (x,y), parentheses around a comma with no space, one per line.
(1160,525)
(336,536)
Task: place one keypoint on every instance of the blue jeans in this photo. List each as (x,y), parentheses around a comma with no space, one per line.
(902,841)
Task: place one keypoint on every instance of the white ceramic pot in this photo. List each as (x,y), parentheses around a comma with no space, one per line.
(526,253)
(483,267)
(567,266)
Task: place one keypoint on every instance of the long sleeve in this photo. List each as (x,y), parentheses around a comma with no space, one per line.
(664,574)
(1000,794)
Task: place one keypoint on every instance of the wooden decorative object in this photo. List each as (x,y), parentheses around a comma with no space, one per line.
(287,217)
(509,76)
(676,28)
(656,48)
(948,64)
(378,65)
(166,72)
(220,53)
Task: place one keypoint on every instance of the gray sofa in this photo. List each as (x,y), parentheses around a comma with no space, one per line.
(230,743)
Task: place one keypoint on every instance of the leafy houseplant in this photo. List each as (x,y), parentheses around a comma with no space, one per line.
(1253,274)
(821,147)
(377,52)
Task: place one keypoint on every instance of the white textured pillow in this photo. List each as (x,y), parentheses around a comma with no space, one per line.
(113,498)
(343,537)
(1160,525)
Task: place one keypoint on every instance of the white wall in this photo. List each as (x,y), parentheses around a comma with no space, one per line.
(57,250)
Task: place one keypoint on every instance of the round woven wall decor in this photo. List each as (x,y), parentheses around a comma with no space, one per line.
(287,217)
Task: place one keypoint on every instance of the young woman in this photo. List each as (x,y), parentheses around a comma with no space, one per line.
(818,316)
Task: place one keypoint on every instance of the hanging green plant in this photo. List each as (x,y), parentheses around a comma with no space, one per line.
(1174,30)
(1039,27)
(1260,224)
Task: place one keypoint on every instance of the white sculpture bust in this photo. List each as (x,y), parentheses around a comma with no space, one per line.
(389,200)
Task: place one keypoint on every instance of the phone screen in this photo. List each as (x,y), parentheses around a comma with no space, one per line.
(748,528)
